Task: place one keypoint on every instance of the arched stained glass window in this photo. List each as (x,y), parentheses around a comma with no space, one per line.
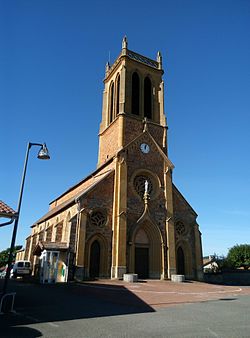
(135,94)
(111,102)
(117,94)
(147,98)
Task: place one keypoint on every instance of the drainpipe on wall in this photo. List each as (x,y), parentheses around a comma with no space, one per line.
(79,210)
(67,267)
(79,247)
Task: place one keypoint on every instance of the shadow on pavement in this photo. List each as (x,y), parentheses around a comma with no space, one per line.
(36,303)
(20,332)
(227,299)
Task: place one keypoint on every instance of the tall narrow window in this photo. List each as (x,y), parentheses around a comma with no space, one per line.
(135,94)
(117,94)
(111,102)
(147,98)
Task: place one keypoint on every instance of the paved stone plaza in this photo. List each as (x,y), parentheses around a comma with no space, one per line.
(165,293)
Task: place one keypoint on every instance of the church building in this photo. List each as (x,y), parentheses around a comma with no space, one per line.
(127,216)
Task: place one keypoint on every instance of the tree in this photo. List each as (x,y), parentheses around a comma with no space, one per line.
(4,255)
(239,256)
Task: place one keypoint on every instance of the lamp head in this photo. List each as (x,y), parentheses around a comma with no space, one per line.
(43,153)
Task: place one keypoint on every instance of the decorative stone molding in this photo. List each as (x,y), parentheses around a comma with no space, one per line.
(98,218)
(137,182)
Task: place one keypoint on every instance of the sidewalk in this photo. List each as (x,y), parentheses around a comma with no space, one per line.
(158,293)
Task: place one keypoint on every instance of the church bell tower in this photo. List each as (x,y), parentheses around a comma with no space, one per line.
(133,134)
(133,95)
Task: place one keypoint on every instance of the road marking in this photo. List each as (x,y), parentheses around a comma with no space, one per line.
(52,324)
(35,319)
(212,332)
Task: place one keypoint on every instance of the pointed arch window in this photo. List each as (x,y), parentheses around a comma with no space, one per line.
(48,231)
(147,98)
(59,229)
(135,94)
(117,95)
(111,102)
(66,228)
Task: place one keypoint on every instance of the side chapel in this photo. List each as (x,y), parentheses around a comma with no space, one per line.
(127,216)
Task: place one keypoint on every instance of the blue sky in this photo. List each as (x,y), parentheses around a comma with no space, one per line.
(52,62)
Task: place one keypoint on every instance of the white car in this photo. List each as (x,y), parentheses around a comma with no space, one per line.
(21,268)
(3,274)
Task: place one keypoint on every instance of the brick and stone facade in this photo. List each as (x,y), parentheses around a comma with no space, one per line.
(127,216)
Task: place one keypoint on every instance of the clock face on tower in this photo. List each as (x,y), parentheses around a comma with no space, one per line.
(145,148)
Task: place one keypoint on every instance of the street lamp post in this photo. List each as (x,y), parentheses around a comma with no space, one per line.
(43,154)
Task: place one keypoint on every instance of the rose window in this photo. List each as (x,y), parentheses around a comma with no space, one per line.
(98,218)
(139,184)
(180,228)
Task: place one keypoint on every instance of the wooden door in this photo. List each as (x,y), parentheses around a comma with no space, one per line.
(180,262)
(95,251)
(142,262)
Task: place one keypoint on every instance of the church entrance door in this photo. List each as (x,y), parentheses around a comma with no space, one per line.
(95,252)
(142,262)
(180,262)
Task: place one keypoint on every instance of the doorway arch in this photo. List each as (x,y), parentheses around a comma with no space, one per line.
(145,251)
(180,261)
(184,254)
(94,261)
(142,254)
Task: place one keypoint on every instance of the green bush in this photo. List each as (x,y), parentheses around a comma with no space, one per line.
(4,255)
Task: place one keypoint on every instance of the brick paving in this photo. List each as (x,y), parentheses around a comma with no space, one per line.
(166,293)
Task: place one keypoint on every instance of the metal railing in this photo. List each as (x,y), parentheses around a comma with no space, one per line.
(5,303)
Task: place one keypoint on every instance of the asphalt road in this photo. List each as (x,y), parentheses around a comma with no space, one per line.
(75,311)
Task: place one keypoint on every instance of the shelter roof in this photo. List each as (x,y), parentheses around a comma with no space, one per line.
(6,211)
(51,246)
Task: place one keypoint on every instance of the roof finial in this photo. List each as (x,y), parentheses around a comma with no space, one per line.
(159,60)
(107,67)
(124,43)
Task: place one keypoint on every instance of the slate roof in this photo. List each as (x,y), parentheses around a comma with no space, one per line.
(92,174)
(73,199)
(52,246)
(6,211)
